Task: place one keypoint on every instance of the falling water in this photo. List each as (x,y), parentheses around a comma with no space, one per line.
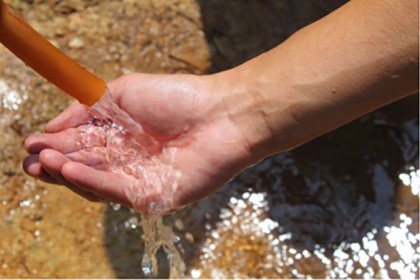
(123,148)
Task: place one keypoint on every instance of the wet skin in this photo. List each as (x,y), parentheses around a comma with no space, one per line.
(193,121)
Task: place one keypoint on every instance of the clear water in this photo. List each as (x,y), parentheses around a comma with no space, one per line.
(120,146)
(156,235)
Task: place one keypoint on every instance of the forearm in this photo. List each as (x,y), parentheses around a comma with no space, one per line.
(357,59)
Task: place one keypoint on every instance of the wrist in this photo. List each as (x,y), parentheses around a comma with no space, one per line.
(268,102)
(250,111)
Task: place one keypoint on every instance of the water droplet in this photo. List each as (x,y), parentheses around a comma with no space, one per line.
(147,269)
(115,206)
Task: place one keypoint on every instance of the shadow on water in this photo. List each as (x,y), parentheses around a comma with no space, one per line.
(330,191)
(123,242)
(334,189)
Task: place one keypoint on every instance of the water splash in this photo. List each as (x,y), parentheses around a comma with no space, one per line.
(157,235)
(120,146)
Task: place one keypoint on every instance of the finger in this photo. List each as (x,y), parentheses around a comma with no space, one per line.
(66,141)
(52,162)
(101,183)
(32,167)
(46,178)
(95,158)
(74,115)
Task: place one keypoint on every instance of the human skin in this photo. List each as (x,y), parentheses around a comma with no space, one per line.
(355,60)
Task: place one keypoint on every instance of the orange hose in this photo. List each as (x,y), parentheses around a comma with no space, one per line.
(33,49)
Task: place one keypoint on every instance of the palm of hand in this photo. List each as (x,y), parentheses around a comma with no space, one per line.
(192,148)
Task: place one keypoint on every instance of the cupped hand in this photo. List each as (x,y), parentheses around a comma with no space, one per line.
(197,148)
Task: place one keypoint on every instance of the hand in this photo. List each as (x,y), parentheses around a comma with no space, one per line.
(185,115)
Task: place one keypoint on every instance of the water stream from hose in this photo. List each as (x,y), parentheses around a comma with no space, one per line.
(119,145)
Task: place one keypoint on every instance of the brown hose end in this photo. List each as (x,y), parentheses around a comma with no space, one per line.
(33,49)
(1,9)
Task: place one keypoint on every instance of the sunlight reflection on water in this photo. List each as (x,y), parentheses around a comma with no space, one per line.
(11,99)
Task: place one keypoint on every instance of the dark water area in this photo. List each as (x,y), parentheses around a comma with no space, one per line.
(345,205)
(336,207)
(338,200)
